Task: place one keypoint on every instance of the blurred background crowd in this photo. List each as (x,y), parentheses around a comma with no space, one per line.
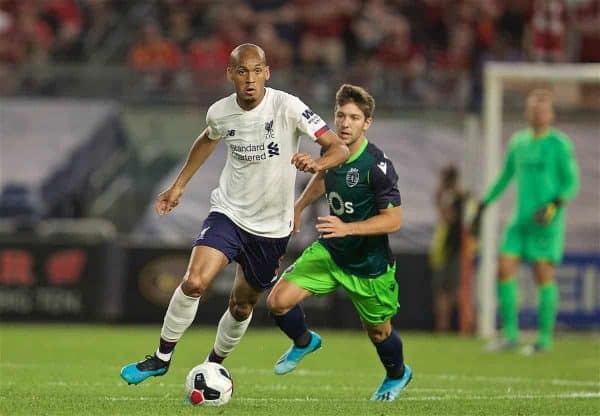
(417,52)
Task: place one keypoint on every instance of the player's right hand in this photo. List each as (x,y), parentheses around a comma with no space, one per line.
(305,163)
(167,200)
(546,214)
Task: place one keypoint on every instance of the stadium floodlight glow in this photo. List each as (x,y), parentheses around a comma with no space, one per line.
(495,75)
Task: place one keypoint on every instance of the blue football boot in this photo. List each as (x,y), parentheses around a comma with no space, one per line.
(293,355)
(135,373)
(390,388)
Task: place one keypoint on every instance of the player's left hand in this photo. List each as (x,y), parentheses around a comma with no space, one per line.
(305,163)
(546,214)
(331,227)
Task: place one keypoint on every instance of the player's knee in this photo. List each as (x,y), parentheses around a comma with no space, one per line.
(276,305)
(506,269)
(195,283)
(377,335)
(543,272)
(240,311)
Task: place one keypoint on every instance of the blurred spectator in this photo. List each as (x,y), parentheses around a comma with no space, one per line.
(436,23)
(511,24)
(546,38)
(207,58)
(99,21)
(278,50)
(66,20)
(402,61)
(179,28)
(369,28)
(451,66)
(445,249)
(282,14)
(324,28)
(155,57)
(586,18)
(232,21)
(33,35)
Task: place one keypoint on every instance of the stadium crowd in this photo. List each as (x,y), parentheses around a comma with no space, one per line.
(427,51)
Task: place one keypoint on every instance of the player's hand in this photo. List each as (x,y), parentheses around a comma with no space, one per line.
(331,227)
(546,214)
(167,200)
(305,163)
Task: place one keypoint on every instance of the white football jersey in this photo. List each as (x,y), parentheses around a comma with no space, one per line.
(256,187)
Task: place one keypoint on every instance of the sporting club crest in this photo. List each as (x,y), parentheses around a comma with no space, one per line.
(352,177)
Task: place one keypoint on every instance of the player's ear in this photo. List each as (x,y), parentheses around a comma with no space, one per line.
(368,122)
(229,73)
(267,73)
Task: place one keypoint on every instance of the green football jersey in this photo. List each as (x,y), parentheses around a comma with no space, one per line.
(356,191)
(545,168)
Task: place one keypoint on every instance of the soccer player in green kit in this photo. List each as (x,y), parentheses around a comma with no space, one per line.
(353,251)
(541,159)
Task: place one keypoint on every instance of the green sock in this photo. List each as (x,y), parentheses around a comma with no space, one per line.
(507,296)
(547,306)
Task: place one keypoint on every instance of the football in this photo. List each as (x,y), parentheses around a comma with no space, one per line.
(208,384)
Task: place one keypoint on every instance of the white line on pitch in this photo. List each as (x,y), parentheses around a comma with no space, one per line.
(572,395)
(327,373)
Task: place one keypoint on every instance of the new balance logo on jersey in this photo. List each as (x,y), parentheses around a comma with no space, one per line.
(273,149)
(383,167)
(231,132)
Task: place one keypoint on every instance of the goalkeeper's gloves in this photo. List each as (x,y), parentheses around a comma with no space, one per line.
(476,223)
(546,214)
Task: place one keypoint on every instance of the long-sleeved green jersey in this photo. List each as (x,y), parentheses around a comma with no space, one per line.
(545,169)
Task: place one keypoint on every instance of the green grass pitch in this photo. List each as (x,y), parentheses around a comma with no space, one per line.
(74,370)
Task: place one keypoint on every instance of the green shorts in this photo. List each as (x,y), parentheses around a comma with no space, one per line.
(375,299)
(533,242)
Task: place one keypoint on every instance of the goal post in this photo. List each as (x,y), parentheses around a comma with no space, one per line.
(495,75)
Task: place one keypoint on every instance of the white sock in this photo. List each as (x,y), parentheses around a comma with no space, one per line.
(229,333)
(180,315)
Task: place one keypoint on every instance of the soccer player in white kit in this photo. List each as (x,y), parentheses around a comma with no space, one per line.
(251,211)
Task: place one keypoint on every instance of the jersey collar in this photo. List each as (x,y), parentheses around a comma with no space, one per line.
(359,152)
(255,109)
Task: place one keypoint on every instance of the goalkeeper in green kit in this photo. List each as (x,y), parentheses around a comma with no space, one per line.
(543,163)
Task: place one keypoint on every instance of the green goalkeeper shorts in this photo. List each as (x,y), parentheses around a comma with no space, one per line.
(533,242)
(375,299)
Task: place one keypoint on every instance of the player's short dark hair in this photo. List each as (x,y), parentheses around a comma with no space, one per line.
(357,95)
